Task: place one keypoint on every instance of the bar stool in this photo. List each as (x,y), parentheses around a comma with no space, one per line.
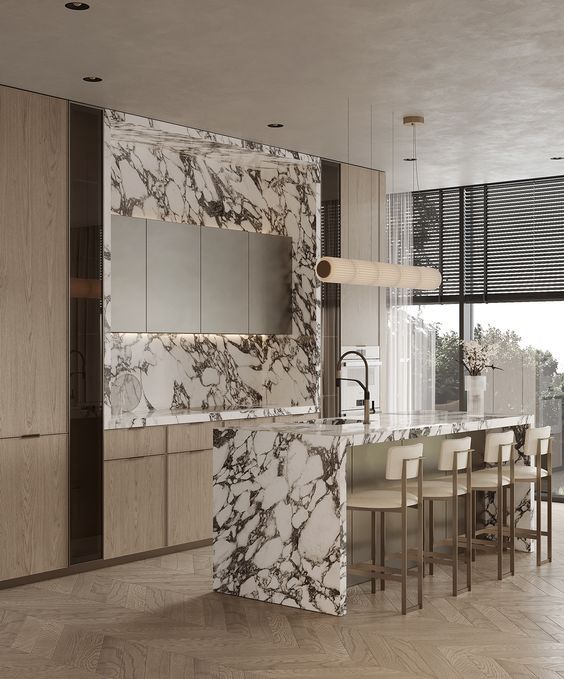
(538,443)
(498,451)
(402,463)
(455,456)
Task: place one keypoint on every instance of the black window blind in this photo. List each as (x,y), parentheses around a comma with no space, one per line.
(492,242)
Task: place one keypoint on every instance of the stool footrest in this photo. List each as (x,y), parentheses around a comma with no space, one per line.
(529,533)
(440,557)
(379,572)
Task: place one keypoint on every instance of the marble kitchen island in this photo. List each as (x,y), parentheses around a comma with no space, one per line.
(280,493)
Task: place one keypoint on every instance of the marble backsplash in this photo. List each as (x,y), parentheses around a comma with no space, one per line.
(172,173)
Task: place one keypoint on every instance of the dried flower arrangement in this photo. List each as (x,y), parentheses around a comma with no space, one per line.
(477,357)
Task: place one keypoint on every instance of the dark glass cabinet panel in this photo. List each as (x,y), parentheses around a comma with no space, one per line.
(85,341)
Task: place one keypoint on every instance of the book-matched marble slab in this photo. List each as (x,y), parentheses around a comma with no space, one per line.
(279,493)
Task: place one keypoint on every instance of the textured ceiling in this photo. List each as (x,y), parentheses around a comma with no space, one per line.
(487,74)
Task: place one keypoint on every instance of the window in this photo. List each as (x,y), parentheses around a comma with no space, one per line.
(500,249)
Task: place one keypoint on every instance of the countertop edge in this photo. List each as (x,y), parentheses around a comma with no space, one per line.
(163,418)
(375,433)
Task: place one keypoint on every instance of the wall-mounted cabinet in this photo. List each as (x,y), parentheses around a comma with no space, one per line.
(173,276)
(129,274)
(225,281)
(270,284)
(169,277)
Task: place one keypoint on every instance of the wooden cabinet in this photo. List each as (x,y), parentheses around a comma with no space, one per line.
(270,284)
(158,485)
(33,505)
(129,274)
(184,437)
(189,496)
(33,264)
(138,442)
(173,277)
(363,216)
(134,505)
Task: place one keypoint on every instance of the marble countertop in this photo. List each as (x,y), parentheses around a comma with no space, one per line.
(398,426)
(186,416)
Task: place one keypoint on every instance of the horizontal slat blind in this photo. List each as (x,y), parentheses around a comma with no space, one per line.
(436,241)
(513,239)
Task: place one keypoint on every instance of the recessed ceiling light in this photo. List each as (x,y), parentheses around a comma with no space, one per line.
(410,160)
(275,125)
(92,79)
(557,158)
(77,5)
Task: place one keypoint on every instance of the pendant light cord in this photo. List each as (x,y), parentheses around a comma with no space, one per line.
(416,161)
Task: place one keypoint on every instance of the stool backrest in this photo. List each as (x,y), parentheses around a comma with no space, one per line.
(396,456)
(532,437)
(448,449)
(493,442)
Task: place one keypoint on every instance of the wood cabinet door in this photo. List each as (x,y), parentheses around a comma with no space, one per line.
(33,264)
(189,496)
(134,505)
(33,505)
(137,442)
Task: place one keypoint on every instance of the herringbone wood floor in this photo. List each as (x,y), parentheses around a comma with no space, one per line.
(158,619)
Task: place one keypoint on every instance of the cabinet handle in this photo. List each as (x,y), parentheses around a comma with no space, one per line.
(30,436)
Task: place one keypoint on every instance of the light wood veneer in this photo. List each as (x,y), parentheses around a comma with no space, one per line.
(33,264)
(134,505)
(190,511)
(123,443)
(33,505)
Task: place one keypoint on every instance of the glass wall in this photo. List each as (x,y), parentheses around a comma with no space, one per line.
(530,359)
(435,355)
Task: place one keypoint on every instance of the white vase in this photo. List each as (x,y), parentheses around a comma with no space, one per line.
(475,386)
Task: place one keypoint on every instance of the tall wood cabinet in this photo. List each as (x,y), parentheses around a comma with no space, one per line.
(33,333)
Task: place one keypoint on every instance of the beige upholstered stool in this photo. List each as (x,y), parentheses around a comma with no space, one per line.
(403,463)
(537,444)
(454,457)
(498,452)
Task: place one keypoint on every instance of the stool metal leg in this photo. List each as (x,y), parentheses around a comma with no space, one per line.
(455,545)
(539,517)
(549,502)
(421,560)
(469,508)
(549,518)
(473,517)
(373,547)
(469,550)
(403,561)
(382,547)
(512,528)
(431,536)
(500,518)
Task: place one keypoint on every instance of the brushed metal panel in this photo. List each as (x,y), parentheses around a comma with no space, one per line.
(173,277)
(270,284)
(225,281)
(129,276)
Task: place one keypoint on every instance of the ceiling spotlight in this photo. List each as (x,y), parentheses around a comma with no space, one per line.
(92,79)
(410,160)
(557,158)
(276,125)
(77,5)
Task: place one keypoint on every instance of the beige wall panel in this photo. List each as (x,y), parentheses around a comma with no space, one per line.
(33,263)
(134,505)
(33,502)
(360,239)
